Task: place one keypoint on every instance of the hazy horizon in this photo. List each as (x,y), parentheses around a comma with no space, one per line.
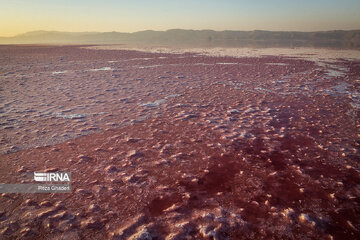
(20,16)
(145,30)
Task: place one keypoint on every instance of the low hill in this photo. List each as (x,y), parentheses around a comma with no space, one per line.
(333,39)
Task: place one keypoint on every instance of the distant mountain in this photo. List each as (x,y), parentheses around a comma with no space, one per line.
(179,37)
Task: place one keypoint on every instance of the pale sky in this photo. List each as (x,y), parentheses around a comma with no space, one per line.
(20,16)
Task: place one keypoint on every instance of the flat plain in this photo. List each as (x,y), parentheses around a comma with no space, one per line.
(181,144)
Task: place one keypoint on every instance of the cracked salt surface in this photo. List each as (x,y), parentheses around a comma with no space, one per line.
(150,66)
(342,89)
(225,63)
(338,72)
(222,160)
(71,116)
(153,104)
(101,69)
(158,102)
(59,72)
(333,70)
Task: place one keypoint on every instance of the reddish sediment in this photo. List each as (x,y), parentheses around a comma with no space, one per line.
(179,146)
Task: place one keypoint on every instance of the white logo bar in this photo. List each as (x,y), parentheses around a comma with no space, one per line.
(52,177)
(40,177)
